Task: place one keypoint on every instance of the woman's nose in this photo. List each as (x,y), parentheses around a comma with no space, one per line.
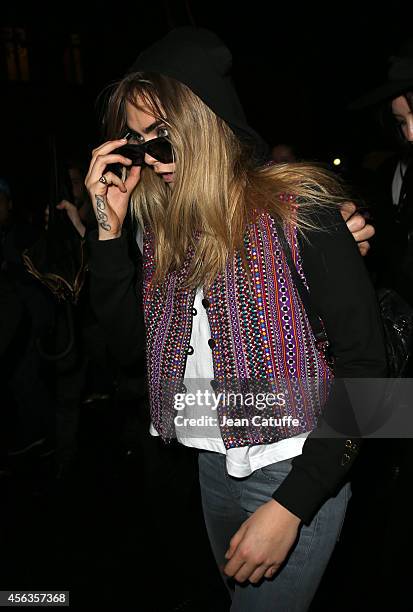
(150,161)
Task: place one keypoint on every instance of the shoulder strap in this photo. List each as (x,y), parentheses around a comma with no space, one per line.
(315,321)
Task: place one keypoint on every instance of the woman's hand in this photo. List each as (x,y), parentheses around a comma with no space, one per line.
(261,543)
(110,198)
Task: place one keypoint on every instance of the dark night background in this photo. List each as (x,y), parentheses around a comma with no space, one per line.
(296,67)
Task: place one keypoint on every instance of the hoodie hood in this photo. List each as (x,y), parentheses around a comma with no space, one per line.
(199,59)
(399,79)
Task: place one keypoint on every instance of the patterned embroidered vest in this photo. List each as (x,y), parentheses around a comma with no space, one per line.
(261,336)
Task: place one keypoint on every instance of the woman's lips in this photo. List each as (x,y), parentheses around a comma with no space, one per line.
(168,177)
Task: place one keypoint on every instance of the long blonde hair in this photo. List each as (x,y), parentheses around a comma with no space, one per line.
(217,189)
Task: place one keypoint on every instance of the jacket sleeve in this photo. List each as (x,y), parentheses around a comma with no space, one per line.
(114,298)
(343,296)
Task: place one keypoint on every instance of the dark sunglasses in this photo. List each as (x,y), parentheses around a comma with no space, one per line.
(158,148)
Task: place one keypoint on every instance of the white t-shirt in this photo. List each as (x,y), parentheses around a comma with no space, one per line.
(397,182)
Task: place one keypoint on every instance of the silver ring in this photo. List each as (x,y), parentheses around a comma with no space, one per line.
(103,179)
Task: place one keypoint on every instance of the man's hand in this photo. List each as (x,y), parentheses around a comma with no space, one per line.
(356,223)
(261,543)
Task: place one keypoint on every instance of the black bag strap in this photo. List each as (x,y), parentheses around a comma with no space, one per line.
(315,321)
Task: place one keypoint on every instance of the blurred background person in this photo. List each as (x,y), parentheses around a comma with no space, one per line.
(82,374)
(392,104)
(385,478)
(26,398)
(282,153)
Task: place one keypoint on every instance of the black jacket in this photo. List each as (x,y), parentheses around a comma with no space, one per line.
(343,296)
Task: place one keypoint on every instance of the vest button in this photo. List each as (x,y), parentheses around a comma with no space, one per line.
(206,303)
(190,350)
(194,312)
(211,343)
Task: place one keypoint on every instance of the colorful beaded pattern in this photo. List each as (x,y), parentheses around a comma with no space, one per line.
(263,339)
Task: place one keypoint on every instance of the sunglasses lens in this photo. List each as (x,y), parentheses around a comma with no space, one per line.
(160,149)
(133,152)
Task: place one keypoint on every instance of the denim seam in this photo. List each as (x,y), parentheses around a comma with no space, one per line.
(307,552)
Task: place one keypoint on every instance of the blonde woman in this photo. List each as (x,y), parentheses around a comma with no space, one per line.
(221,304)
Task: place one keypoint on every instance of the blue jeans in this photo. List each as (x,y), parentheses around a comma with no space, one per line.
(228,502)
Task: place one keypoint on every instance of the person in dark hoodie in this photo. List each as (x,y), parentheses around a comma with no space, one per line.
(225,237)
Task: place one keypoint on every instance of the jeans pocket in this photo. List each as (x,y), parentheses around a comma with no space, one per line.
(275,472)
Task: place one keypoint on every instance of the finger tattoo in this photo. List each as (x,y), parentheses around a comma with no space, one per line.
(100,214)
